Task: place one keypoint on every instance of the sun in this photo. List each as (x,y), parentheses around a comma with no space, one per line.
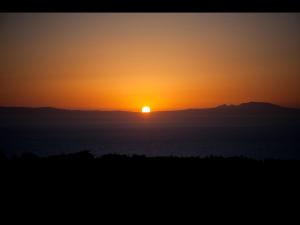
(146,109)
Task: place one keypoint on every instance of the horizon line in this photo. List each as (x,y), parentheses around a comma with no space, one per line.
(134,111)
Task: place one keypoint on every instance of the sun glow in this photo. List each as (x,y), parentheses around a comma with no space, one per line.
(146,109)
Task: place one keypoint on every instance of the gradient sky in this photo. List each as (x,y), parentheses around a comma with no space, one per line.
(122,61)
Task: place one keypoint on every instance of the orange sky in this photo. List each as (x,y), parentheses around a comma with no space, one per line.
(122,61)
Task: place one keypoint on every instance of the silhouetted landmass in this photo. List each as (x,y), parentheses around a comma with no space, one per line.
(118,173)
(2,155)
(115,177)
(250,107)
(244,108)
(87,156)
(243,114)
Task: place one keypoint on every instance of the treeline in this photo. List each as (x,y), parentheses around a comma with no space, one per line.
(86,155)
(115,171)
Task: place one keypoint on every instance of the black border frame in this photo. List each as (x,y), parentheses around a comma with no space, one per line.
(150,6)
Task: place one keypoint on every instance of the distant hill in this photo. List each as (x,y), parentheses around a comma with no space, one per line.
(255,107)
(221,115)
(243,107)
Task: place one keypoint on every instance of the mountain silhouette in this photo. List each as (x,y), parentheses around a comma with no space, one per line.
(251,112)
(255,107)
(249,106)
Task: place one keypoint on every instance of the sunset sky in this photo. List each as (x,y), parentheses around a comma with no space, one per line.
(122,61)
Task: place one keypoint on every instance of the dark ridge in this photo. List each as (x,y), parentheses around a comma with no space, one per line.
(82,176)
(250,114)
(254,105)
(30,109)
(243,106)
(87,155)
(86,164)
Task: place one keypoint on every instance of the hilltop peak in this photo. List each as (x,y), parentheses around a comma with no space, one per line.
(253,107)
(259,104)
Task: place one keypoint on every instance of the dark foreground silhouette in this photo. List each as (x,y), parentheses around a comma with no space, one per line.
(85,160)
(122,179)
